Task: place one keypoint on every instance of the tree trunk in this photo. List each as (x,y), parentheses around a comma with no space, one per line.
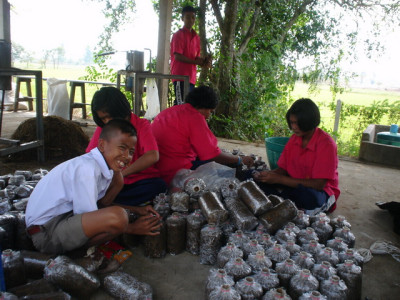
(203,39)
(226,59)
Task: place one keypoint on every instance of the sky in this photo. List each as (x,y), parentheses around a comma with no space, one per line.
(76,24)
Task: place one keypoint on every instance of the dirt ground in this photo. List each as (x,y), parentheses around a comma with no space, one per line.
(182,277)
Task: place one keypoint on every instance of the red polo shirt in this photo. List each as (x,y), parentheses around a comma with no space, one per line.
(317,161)
(182,135)
(187,43)
(145,143)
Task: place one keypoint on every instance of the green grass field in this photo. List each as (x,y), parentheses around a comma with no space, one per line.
(350,95)
(322,95)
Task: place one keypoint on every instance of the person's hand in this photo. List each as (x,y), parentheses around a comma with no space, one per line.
(248,161)
(199,61)
(146,225)
(208,61)
(145,210)
(267,177)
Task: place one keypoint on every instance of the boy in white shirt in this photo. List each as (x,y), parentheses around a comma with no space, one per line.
(62,213)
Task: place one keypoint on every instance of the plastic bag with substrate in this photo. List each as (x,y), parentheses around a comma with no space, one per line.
(212,208)
(327,254)
(323,230)
(194,187)
(34,263)
(227,252)
(239,238)
(210,243)
(13,268)
(276,294)
(237,268)
(352,276)
(194,223)
(124,286)
(249,289)
(323,271)
(307,235)
(347,236)
(176,233)
(155,246)
(258,261)
(40,286)
(304,260)
(70,277)
(351,254)
(57,98)
(179,202)
(334,288)
(267,278)
(240,214)
(286,270)
(254,198)
(217,278)
(301,283)
(251,247)
(337,244)
(302,220)
(277,217)
(277,253)
(313,295)
(211,173)
(225,292)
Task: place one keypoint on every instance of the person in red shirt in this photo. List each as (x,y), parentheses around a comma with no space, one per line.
(142,180)
(307,168)
(184,139)
(185,53)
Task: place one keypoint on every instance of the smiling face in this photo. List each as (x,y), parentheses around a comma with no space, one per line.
(188,19)
(118,150)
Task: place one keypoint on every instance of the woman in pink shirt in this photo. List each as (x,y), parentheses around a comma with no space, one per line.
(142,180)
(307,168)
(184,139)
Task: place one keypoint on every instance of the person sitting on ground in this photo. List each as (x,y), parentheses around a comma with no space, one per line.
(307,168)
(184,139)
(62,212)
(142,182)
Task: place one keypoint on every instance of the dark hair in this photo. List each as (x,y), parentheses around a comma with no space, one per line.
(112,101)
(188,8)
(202,97)
(306,112)
(115,125)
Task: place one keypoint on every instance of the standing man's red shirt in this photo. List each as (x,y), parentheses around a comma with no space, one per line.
(187,43)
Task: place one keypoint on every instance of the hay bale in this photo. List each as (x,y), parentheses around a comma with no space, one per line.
(63,139)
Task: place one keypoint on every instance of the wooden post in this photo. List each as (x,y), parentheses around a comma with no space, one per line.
(337,117)
(164,34)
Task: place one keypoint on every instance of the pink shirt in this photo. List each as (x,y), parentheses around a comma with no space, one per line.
(145,142)
(182,135)
(317,161)
(187,43)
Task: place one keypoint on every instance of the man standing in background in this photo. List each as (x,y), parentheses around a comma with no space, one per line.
(185,53)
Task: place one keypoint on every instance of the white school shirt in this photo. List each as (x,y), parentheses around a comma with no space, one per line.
(75,185)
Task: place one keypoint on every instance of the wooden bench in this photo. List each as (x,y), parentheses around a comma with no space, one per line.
(29,97)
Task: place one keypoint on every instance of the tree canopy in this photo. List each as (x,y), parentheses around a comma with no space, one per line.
(257,46)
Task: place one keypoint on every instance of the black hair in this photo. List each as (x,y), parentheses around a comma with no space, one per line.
(188,8)
(202,97)
(115,125)
(306,112)
(112,101)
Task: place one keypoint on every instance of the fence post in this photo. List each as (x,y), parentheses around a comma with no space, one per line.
(337,117)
